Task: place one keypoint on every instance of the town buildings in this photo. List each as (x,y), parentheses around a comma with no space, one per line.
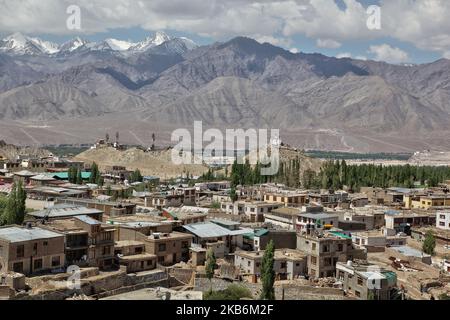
(366,281)
(30,250)
(288,263)
(443,220)
(325,251)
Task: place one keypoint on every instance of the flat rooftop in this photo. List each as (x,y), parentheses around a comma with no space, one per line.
(64,210)
(157,294)
(410,252)
(169,236)
(127,243)
(290,254)
(212,230)
(18,234)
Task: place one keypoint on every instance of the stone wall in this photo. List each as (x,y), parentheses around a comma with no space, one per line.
(291,292)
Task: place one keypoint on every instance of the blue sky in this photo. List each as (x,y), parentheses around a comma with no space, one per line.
(413,31)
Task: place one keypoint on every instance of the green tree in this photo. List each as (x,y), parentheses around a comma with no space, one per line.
(136,176)
(79,177)
(95,173)
(210,265)
(267,273)
(233,194)
(429,244)
(232,292)
(100,181)
(15,209)
(21,197)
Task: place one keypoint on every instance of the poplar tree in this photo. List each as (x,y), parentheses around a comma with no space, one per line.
(267,273)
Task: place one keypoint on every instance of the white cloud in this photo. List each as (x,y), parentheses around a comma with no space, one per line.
(328,43)
(364,58)
(277,41)
(344,55)
(423,23)
(389,54)
(294,50)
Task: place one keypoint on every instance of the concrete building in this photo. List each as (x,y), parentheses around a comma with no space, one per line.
(325,251)
(30,250)
(170,248)
(109,208)
(380,196)
(371,218)
(404,221)
(288,199)
(254,211)
(311,221)
(132,255)
(427,202)
(328,199)
(88,242)
(366,281)
(209,232)
(100,240)
(281,238)
(185,214)
(283,217)
(288,263)
(65,211)
(443,220)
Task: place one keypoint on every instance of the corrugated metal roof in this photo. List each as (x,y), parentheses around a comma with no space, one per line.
(212,230)
(64,210)
(65,175)
(88,220)
(17,234)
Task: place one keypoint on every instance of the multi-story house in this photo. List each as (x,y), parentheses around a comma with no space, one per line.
(30,250)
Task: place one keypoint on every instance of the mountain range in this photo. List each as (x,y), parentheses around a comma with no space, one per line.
(76,91)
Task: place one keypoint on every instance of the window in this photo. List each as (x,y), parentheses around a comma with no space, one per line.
(283,265)
(340,247)
(360,281)
(45,243)
(161,259)
(162,247)
(18,267)
(106,251)
(314,246)
(248,263)
(357,293)
(326,248)
(20,251)
(149,262)
(56,261)
(37,264)
(313,260)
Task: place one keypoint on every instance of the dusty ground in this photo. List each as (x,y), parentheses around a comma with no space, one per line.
(410,280)
(157,163)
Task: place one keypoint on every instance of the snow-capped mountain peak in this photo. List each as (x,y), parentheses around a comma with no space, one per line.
(47,46)
(17,43)
(119,45)
(157,39)
(160,37)
(73,44)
